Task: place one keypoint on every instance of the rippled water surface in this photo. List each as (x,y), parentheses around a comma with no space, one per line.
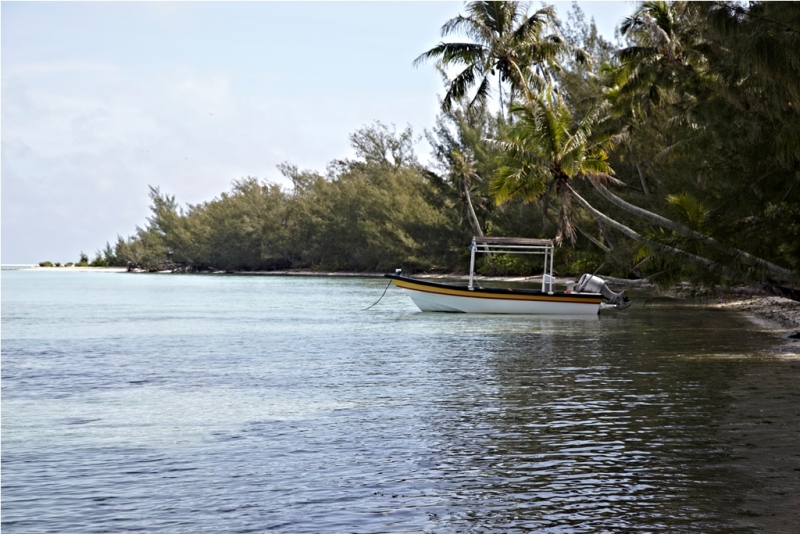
(247,403)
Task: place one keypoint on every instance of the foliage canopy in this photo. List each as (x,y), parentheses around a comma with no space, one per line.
(673,156)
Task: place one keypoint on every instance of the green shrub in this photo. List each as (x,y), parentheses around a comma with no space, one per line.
(99,261)
(506,264)
(68,264)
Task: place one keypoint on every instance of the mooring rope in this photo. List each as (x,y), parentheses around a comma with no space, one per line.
(384,292)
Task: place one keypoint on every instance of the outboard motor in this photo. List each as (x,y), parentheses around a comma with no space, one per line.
(594,284)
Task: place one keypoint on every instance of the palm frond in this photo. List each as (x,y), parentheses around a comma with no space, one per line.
(533,25)
(673,151)
(527,182)
(513,150)
(459,24)
(581,135)
(689,209)
(635,54)
(453,54)
(460,85)
(481,94)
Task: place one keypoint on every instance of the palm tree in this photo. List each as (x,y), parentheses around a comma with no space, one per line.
(780,273)
(545,151)
(464,173)
(667,49)
(671,63)
(506,42)
(712,266)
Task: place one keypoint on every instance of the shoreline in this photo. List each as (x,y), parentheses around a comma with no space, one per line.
(777,315)
(72,268)
(298,272)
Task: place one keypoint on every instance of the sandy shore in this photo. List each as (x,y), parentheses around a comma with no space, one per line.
(776,316)
(71,269)
(775,312)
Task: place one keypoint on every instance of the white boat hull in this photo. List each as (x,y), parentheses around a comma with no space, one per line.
(432,297)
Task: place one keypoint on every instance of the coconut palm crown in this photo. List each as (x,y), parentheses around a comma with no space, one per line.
(667,48)
(506,42)
(546,149)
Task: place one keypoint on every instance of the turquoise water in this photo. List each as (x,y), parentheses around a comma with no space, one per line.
(208,403)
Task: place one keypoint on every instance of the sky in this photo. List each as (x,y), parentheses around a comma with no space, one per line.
(102,99)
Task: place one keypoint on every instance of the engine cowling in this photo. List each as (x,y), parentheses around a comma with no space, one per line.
(594,284)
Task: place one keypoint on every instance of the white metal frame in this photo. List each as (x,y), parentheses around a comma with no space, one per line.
(506,245)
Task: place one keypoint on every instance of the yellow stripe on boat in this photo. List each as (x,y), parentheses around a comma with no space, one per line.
(502,296)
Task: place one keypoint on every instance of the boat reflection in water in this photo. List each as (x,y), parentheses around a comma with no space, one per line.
(585,299)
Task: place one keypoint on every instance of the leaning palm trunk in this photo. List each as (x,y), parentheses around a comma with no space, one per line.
(605,234)
(708,264)
(473,219)
(642,179)
(784,275)
(592,239)
(585,234)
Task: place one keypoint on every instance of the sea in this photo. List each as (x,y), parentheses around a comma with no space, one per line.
(245,403)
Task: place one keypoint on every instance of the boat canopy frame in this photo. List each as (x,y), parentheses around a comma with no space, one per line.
(514,245)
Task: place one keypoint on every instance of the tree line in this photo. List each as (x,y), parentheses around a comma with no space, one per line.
(673,155)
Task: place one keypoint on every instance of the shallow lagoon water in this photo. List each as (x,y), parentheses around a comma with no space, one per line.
(200,403)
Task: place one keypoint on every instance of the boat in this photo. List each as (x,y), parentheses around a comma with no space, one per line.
(582,298)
